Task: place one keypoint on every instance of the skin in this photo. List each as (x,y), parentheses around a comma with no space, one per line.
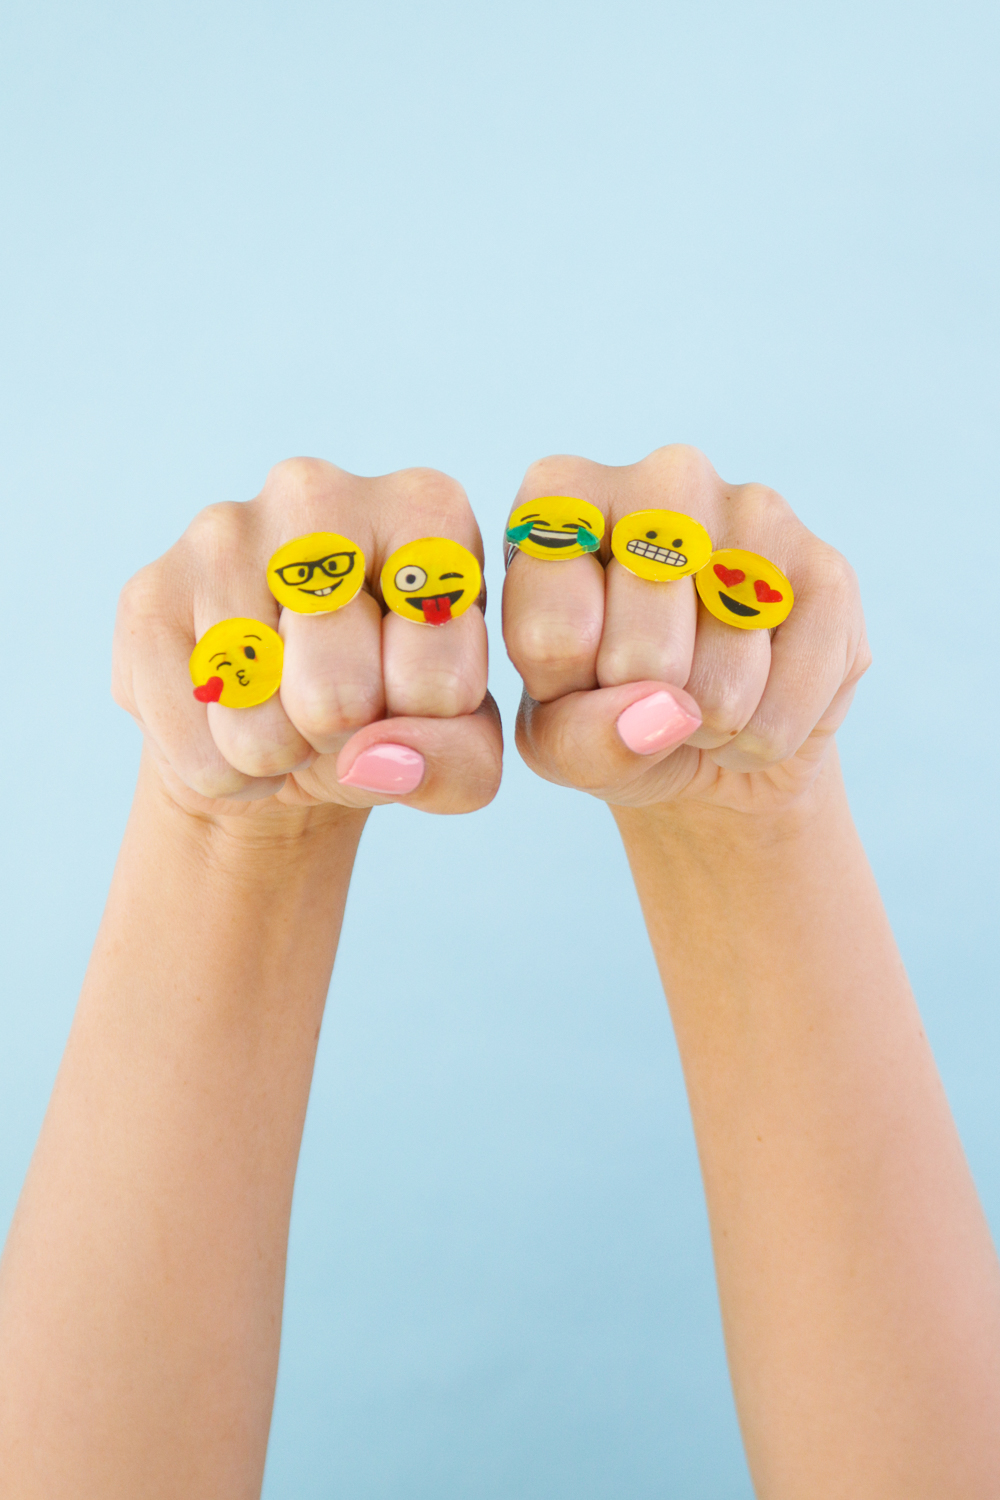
(859,1287)
(141,1286)
(140,1292)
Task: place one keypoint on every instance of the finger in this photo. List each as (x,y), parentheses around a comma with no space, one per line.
(728,676)
(226,555)
(624,744)
(438,765)
(553,617)
(331,683)
(151,680)
(435,671)
(819,650)
(649,629)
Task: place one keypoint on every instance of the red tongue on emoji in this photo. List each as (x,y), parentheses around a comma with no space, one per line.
(437,611)
(210,691)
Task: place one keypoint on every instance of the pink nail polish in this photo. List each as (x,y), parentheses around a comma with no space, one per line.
(386,768)
(655,723)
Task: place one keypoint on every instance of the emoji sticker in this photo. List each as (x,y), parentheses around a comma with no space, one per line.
(555,527)
(739,588)
(431,581)
(660,544)
(237,663)
(317,573)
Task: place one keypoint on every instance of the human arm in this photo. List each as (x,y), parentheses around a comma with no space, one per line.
(859,1288)
(141,1287)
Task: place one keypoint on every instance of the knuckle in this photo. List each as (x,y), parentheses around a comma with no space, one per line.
(681,462)
(430,490)
(547,642)
(320,710)
(441,691)
(142,599)
(300,475)
(724,714)
(217,533)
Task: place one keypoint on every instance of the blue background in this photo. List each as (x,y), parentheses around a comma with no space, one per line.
(467,235)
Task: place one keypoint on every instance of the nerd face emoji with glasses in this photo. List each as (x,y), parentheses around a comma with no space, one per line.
(317,573)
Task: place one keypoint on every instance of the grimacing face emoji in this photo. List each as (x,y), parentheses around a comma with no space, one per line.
(237,663)
(743,589)
(555,528)
(431,581)
(660,544)
(316,574)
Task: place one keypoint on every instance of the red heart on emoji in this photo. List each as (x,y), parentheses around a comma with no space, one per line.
(730,576)
(766,595)
(210,691)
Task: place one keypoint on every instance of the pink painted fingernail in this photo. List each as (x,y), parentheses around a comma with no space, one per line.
(386,768)
(655,723)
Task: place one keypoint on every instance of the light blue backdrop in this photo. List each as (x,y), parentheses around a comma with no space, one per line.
(467,235)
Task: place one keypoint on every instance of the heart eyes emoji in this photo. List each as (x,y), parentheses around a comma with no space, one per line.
(755,595)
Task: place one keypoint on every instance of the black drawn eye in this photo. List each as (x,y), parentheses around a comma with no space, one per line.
(408,580)
(250,652)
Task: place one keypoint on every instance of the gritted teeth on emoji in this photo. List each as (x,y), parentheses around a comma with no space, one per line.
(237,663)
(431,581)
(660,545)
(743,589)
(556,527)
(316,574)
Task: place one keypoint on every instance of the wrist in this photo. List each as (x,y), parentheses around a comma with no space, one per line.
(258,841)
(707,831)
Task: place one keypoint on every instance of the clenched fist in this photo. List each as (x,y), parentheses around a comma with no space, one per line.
(634,692)
(371,705)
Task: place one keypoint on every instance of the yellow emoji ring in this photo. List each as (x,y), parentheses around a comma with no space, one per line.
(739,588)
(316,574)
(555,528)
(237,663)
(431,581)
(660,544)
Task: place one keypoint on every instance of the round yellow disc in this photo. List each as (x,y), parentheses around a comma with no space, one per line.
(431,581)
(237,663)
(739,588)
(555,528)
(317,573)
(660,544)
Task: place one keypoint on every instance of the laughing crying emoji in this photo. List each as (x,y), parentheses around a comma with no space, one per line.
(555,527)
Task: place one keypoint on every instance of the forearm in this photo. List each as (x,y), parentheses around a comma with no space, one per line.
(141,1289)
(859,1288)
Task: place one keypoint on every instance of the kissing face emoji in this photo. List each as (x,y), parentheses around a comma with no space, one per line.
(739,588)
(660,544)
(237,663)
(555,528)
(431,581)
(317,573)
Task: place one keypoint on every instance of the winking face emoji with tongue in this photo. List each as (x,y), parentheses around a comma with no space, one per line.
(431,581)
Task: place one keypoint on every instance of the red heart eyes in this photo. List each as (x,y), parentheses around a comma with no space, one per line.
(210,691)
(732,576)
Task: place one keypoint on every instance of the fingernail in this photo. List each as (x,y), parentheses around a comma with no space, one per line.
(655,723)
(386,768)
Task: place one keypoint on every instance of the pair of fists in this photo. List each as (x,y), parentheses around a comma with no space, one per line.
(633,690)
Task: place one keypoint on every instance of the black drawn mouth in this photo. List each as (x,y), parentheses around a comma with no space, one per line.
(321,593)
(641,548)
(736,607)
(552,538)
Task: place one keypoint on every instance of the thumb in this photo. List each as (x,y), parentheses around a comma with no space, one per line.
(623,744)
